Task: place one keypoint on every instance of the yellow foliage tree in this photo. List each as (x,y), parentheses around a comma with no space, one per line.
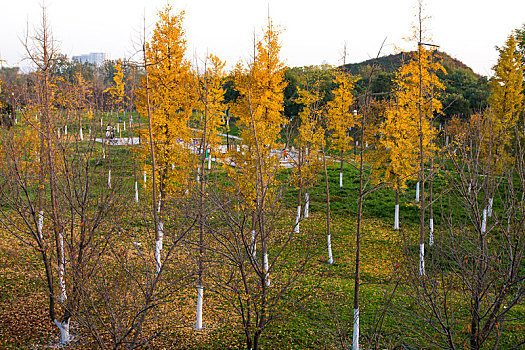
(166,97)
(171,103)
(340,115)
(116,91)
(259,109)
(506,101)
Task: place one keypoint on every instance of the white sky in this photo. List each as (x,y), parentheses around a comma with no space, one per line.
(314,31)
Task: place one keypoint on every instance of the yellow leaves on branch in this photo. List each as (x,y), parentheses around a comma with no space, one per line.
(171,102)
(117,91)
(259,109)
(311,132)
(261,85)
(418,90)
(340,111)
(505,101)
(210,100)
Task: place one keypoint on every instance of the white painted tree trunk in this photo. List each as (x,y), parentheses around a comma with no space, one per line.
(118,128)
(355,338)
(100,122)
(144,177)
(198,174)
(209,159)
(65,337)
(396,217)
(266,267)
(160,202)
(81,134)
(158,244)
(40,224)
(306,205)
(417,192)
(109,178)
(136,192)
(200,296)
(489,210)
(297,219)
(65,130)
(62,270)
(431,235)
(422,259)
(124,126)
(330,256)
(341,179)
(484,222)
(253,245)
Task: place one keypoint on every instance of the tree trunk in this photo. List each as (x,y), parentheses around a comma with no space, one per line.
(299,192)
(422,162)
(329,241)
(307,204)
(341,172)
(396,214)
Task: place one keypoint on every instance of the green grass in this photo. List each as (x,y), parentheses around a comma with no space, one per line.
(314,323)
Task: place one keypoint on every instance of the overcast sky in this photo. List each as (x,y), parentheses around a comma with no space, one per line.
(314,31)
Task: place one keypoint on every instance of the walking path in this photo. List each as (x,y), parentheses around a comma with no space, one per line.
(287,162)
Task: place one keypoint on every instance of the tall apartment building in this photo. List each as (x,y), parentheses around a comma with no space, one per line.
(96,58)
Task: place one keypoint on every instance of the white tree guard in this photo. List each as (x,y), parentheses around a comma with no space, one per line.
(266,268)
(355,338)
(396,217)
(200,296)
(297,219)
(431,234)
(422,259)
(330,256)
(306,205)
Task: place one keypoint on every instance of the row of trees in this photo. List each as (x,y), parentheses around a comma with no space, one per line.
(223,230)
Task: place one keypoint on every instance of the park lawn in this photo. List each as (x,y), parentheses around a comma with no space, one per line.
(321,321)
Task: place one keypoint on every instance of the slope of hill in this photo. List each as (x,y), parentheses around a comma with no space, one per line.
(466,92)
(391,63)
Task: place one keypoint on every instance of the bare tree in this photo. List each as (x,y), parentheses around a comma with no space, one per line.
(477,264)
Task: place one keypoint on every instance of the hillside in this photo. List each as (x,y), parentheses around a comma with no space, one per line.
(391,63)
(466,92)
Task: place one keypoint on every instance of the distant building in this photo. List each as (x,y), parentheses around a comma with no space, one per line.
(96,58)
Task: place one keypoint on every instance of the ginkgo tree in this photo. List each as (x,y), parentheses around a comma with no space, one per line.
(252,281)
(312,138)
(117,91)
(417,93)
(50,185)
(505,101)
(209,93)
(395,160)
(340,116)
(168,103)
